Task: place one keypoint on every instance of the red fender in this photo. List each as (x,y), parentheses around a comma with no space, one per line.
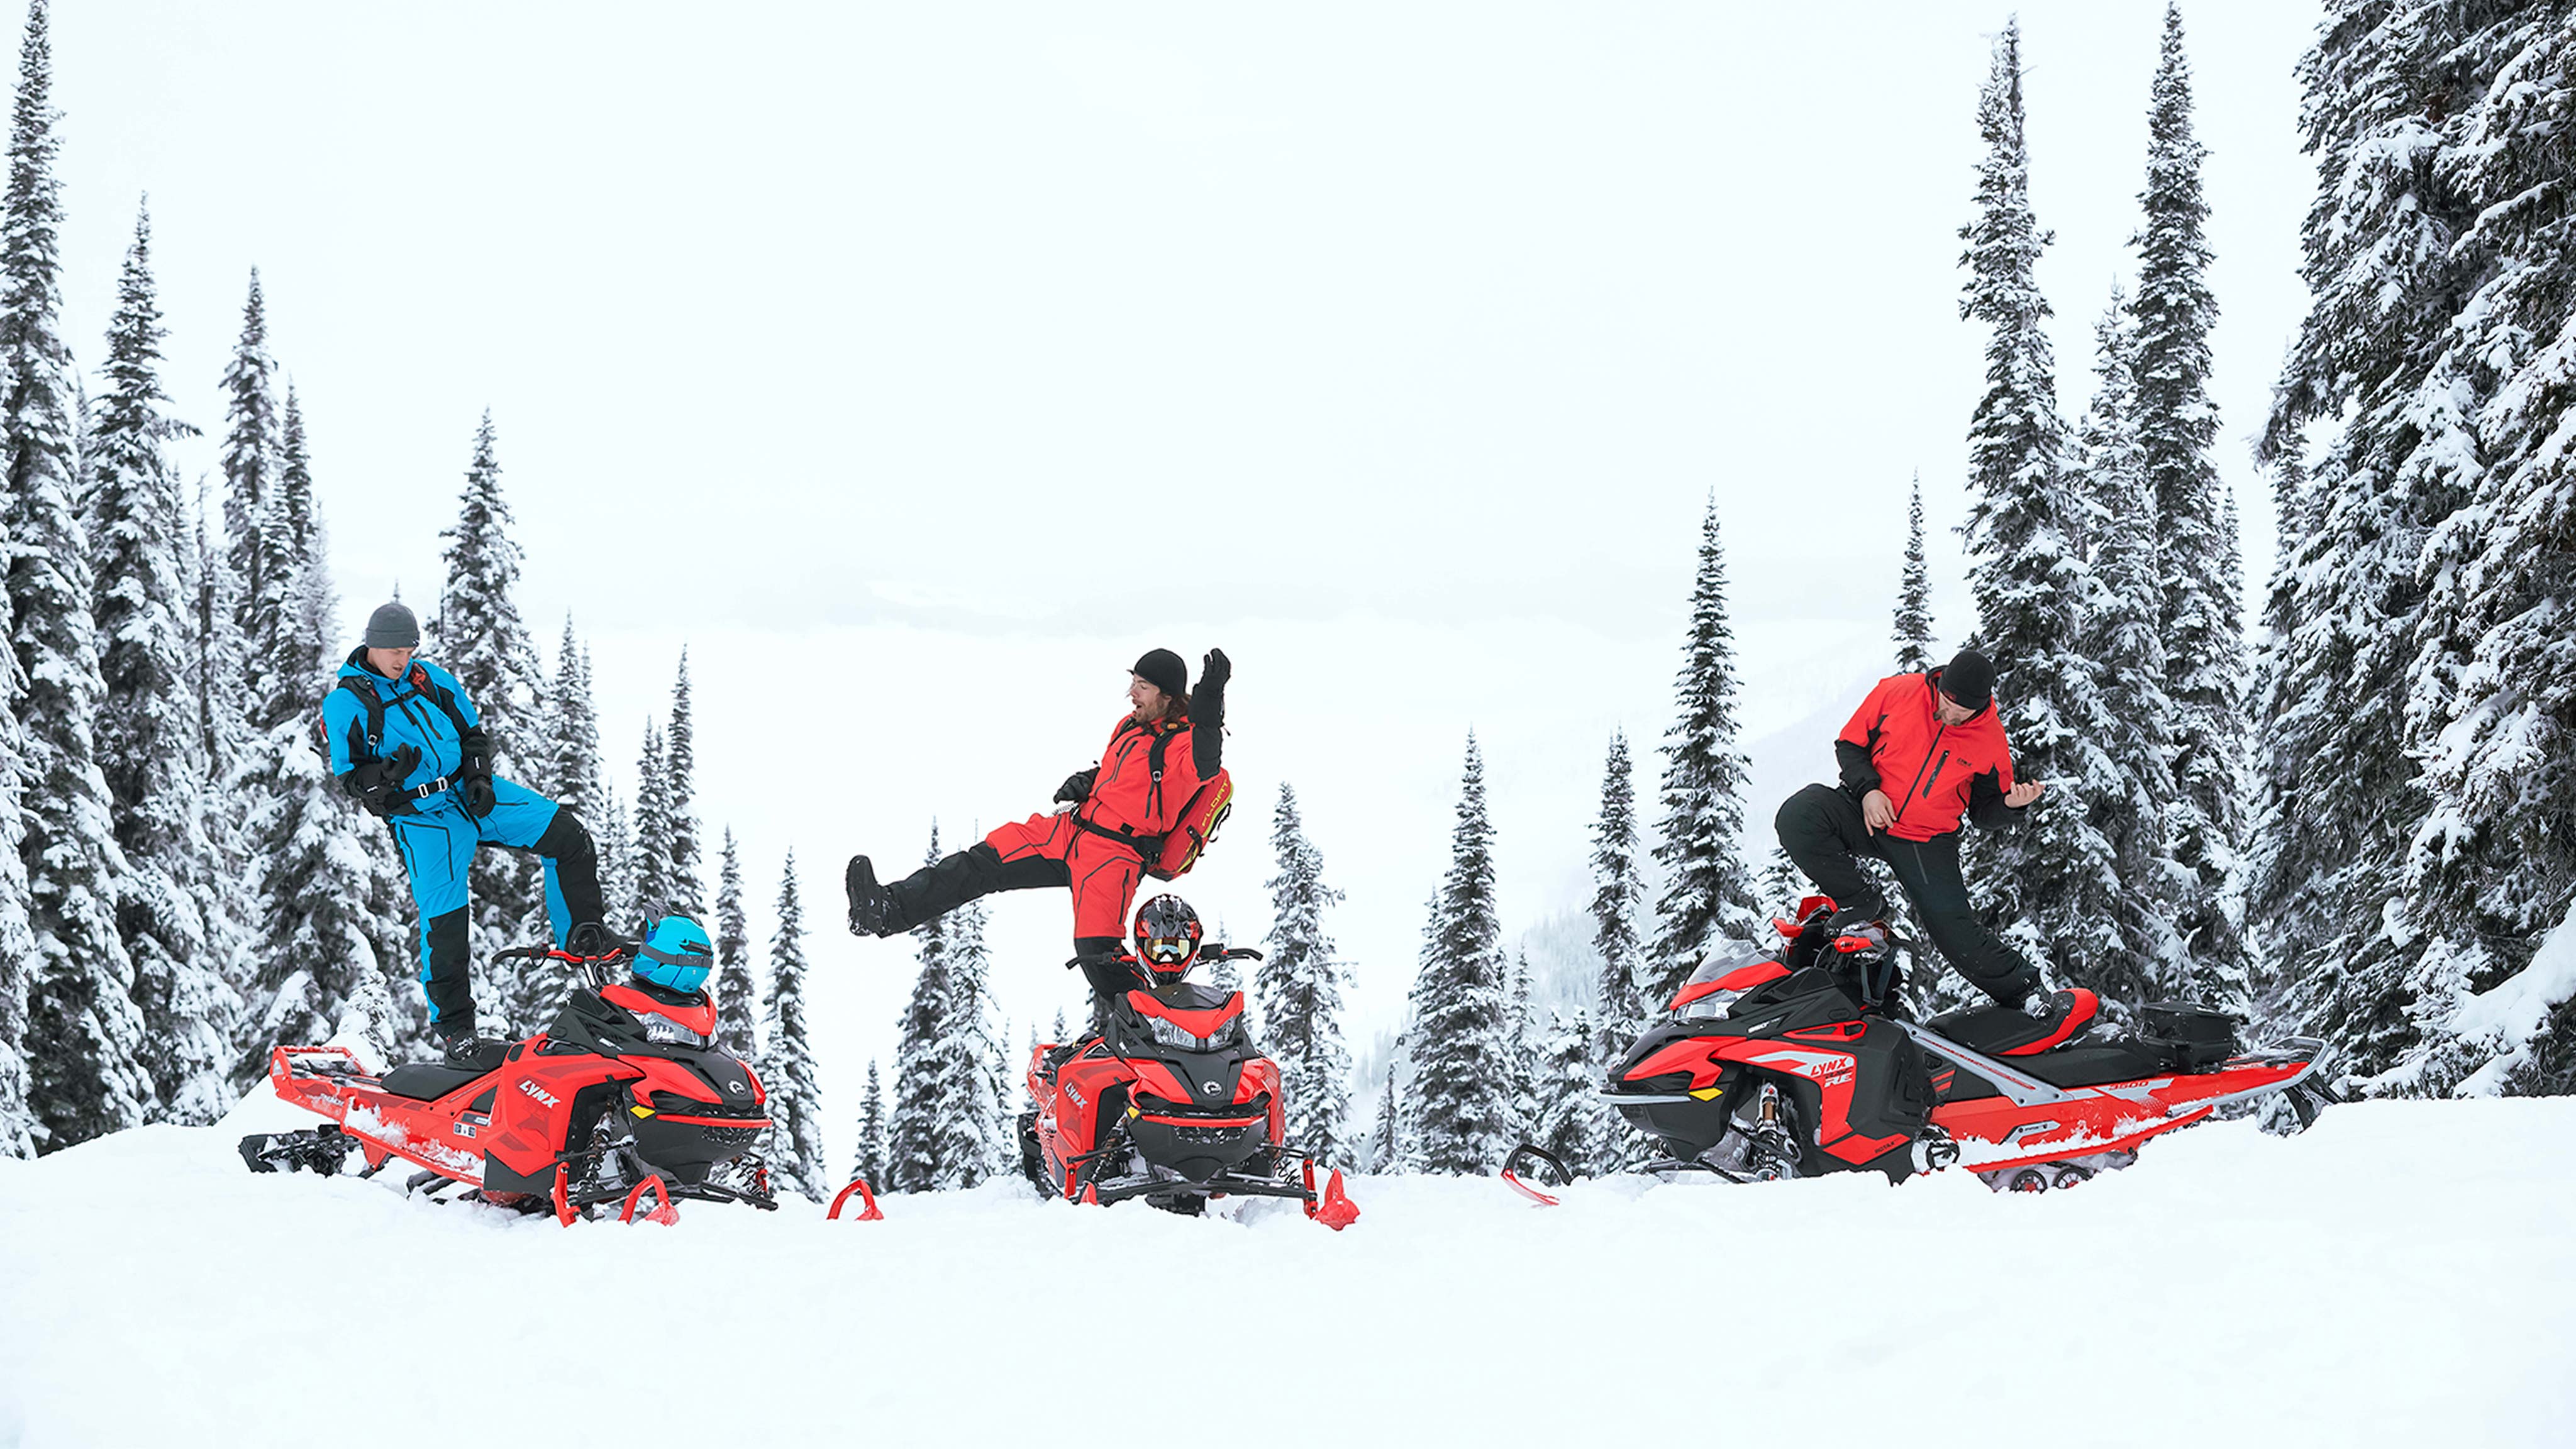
(564,1212)
(867,1202)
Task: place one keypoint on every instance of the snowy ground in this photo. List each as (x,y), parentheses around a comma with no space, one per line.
(2403,1274)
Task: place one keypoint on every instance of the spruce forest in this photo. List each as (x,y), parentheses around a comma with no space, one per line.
(2341,802)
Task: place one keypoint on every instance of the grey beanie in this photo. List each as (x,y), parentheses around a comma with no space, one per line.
(393,626)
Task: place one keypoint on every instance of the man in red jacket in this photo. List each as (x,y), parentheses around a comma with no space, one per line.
(1922,750)
(1117,812)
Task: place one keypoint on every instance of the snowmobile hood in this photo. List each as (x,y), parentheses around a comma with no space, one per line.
(1202,1022)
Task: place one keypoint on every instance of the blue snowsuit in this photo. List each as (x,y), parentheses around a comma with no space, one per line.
(435,833)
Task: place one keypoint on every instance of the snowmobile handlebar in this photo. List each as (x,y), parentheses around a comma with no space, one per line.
(1206,953)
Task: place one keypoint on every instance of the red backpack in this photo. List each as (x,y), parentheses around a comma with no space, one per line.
(1193,828)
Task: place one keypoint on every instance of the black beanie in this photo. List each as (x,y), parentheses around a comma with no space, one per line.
(1970,679)
(1164,670)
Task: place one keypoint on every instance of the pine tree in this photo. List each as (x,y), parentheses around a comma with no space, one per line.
(317,965)
(736,1008)
(614,839)
(975,1133)
(84,1037)
(2144,958)
(1522,1046)
(870,1164)
(1573,1122)
(2490,869)
(648,850)
(2176,424)
(926,1087)
(2378,367)
(483,642)
(1299,987)
(680,794)
(150,752)
(1781,885)
(1616,891)
(1914,595)
(1386,1142)
(2049,874)
(795,1114)
(567,763)
(249,459)
(1460,1116)
(1708,891)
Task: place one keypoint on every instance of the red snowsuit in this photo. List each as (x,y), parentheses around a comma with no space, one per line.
(1135,799)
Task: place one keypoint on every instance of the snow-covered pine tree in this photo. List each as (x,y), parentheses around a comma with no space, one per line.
(976,1133)
(2176,422)
(613,837)
(2378,370)
(1299,988)
(567,764)
(2047,875)
(2491,866)
(150,751)
(650,890)
(1523,1044)
(869,1163)
(737,1009)
(1460,1116)
(316,964)
(1780,886)
(795,1105)
(2145,960)
(680,799)
(1617,889)
(1913,630)
(1708,890)
(249,459)
(480,638)
(1386,1141)
(85,1039)
(924,1086)
(1573,1122)
(295,473)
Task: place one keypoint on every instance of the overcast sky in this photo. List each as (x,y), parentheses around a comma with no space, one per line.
(918,366)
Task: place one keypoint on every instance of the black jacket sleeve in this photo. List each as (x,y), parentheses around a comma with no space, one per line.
(1986,802)
(1207,727)
(1859,775)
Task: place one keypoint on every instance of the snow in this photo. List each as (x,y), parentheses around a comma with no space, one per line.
(2514,1009)
(2401,1274)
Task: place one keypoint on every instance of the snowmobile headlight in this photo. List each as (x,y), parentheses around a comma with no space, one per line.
(663,1028)
(1172,1035)
(1715,1004)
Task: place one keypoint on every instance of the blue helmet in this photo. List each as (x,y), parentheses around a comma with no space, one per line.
(676,954)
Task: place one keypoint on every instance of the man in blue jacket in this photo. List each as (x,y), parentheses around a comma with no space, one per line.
(410,746)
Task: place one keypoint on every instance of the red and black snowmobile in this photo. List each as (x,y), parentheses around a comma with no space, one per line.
(1800,1061)
(624,1097)
(1172,1103)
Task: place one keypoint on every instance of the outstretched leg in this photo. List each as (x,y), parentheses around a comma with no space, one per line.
(1017,857)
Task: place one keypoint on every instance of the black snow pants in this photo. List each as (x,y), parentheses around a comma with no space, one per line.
(1824,831)
(979,871)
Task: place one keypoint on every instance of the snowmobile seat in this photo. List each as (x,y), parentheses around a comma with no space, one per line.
(2091,1065)
(428,1081)
(2004,1031)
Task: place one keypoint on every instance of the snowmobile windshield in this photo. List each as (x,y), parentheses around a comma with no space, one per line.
(1721,981)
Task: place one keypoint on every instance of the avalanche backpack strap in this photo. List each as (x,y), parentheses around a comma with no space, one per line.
(437,694)
(374,736)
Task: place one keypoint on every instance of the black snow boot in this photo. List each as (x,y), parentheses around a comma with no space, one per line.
(868,900)
(470,1053)
(1870,909)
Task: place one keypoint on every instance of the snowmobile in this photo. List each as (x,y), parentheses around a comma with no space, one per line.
(1802,1061)
(625,1095)
(1170,1102)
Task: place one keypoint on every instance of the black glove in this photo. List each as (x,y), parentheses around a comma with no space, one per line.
(1207,714)
(474,773)
(378,784)
(1077,786)
(1215,670)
